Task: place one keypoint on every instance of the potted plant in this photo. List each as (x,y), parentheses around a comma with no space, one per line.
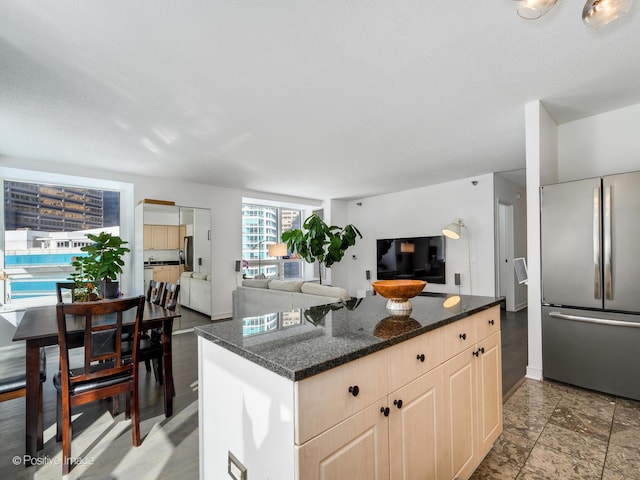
(102,264)
(320,242)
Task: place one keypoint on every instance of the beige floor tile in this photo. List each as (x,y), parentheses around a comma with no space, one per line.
(624,460)
(613,475)
(627,413)
(576,445)
(584,423)
(545,463)
(625,436)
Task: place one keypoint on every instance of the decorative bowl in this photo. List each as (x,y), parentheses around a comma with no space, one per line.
(399,292)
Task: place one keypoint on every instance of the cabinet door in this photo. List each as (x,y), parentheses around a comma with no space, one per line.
(162,274)
(147,237)
(489,368)
(417,434)
(412,358)
(460,413)
(173,233)
(357,448)
(159,237)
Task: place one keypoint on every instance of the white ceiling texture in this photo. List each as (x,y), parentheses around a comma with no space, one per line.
(320,99)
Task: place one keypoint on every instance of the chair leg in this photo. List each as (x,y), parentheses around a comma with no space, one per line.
(157,370)
(127,412)
(66,435)
(147,365)
(115,410)
(135,415)
(58,417)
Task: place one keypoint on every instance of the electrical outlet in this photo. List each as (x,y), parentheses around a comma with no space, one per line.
(456,277)
(367,274)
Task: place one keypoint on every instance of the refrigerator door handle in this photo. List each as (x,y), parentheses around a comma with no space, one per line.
(608,277)
(601,321)
(597,292)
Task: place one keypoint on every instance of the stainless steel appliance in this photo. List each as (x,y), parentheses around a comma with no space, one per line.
(591,283)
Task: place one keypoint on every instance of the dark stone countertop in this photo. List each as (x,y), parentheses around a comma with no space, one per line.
(304,342)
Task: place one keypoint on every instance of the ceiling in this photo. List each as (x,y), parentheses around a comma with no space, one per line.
(331,99)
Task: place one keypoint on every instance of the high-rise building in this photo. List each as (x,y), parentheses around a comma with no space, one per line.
(55,208)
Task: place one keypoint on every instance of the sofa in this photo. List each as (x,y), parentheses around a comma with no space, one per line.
(195,291)
(260,296)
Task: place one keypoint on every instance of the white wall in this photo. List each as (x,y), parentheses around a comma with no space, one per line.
(541,159)
(600,145)
(421,212)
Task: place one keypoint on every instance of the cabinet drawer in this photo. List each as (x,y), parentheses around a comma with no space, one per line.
(328,398)
(412,358)
(487,322)
(458,336)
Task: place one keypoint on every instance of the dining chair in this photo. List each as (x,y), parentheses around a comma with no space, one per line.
(13,379)
(155,291)
(105,371)
(170,295)
(62,287)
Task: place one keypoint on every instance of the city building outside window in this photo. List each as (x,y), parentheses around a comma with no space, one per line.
(261,226)
(44,228)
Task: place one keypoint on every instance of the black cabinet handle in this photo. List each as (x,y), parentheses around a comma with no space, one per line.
(355,390)
(491,322)
(420,357)
(463,336)
(384,411)
(481,349)
(398,403)
(476,353)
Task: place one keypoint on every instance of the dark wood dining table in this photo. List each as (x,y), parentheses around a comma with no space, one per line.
(39,328)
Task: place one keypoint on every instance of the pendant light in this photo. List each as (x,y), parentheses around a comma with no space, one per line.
(534,9)
(597,13)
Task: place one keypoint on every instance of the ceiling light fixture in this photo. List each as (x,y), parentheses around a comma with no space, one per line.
(534,9)
(595,13)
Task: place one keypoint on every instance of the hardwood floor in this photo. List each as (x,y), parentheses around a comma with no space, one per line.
(169,448)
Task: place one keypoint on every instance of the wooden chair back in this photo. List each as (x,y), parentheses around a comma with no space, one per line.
(61,287)
(170,296)
(155,292)
(105,371)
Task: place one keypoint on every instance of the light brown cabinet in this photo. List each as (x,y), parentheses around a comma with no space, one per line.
(163,237)
(441,403)
(167,273)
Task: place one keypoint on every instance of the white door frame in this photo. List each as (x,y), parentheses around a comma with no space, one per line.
(505,275)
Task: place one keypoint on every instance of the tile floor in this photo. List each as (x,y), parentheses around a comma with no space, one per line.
(556,431)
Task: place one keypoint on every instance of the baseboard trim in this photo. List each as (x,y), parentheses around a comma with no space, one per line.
(512,390)
(534,373)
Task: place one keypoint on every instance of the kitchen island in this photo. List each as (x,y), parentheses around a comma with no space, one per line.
(347,391)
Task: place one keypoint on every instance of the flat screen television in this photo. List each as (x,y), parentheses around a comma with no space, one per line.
(415,258)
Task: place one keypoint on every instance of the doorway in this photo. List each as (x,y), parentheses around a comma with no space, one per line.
(504,271)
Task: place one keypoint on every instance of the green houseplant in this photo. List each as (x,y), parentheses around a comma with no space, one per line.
(102,264)
(320,242)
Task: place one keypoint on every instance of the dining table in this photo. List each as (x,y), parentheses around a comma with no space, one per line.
(39,328)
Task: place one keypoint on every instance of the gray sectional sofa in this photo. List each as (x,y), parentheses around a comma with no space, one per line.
(257,297)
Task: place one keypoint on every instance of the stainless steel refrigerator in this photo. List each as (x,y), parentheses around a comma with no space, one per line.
(590,251)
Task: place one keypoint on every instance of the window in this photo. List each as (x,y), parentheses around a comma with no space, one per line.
(44,228)
(261,226)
